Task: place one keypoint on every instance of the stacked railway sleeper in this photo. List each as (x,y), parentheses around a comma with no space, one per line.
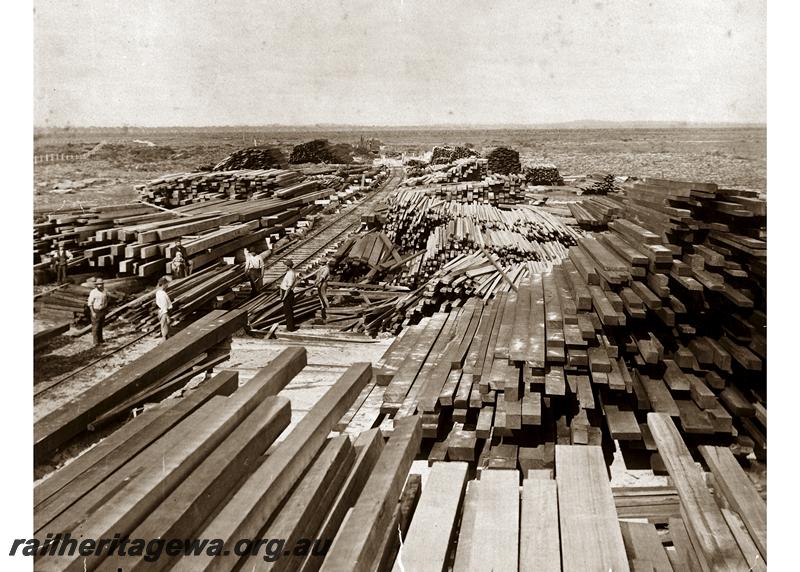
(225,465)
(631,322)
(140,239)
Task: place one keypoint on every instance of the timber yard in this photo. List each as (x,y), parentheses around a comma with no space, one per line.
(423,355)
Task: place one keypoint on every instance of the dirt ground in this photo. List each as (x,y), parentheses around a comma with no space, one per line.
(119,159)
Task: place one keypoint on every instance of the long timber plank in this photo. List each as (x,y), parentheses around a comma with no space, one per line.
(739,491)
(260,496)
(429,538)
(355,547)
(202,491)
(130,503)
(590,535)
(308,503)
(539,543)
(494,535)
(715,545)
(368,446)
(71,419)
(96,465)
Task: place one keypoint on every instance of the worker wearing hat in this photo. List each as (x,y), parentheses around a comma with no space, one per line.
(287,295)
(98,304)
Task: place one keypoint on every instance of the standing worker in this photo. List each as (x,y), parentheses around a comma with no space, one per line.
(98,303)
(178,266)
(164,306)
(287,295)
(61,261)
(321,282)
(185,255)
(254,270)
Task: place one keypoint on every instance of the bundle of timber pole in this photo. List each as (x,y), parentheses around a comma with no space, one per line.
(504,161)
(470,169)
(594,184)
(263,157)
(542,174)
(629,323)
(445,229)
(447,154)
(366,257)
(321,151)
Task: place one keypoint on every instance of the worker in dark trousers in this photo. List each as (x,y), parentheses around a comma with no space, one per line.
(178,266)
(287,295)
(185,255)
(254,270)
(60,262)
(164,306)
(321,283)
(98,303)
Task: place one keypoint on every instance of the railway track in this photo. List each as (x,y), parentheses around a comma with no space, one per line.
(327,236)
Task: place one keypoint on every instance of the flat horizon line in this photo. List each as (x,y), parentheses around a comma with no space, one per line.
(577,124)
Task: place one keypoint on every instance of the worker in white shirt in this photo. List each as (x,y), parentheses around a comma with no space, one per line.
(164,306)
(321,283)
(98,303)
(287,295)
(254,270)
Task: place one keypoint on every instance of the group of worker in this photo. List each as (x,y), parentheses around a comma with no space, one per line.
(180,268)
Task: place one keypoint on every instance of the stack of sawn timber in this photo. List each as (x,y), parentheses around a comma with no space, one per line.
(76,230)
(263,157)
(569,518)
(154,375)
(504,161)
(447,229)
(366,256)
(187,188)
(626,325)
(542,174)
(141,244)
(208,466)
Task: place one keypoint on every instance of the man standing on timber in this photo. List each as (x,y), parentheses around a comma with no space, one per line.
(321,282)
(98,303)
(254,270)
(164,306)
(61,261)
(287,295)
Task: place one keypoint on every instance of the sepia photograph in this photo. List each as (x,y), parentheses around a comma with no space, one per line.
(396,286)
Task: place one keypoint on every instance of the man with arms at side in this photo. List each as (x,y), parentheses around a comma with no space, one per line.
(287,295)
(164,306)
(98,304)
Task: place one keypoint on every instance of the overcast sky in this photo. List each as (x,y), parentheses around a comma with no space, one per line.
(397,62)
